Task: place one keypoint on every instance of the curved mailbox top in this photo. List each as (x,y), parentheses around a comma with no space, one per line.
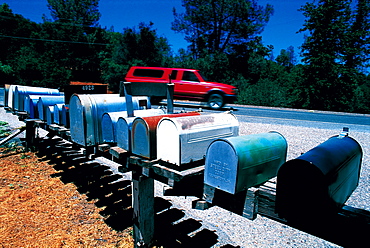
(45,101)
(65,116)
(326,175)
(143,134)
(185,139)
(30,105)
(237,163)
(86,111)
(109,121)
(123,136)
(194,123)
(58,113)
(21,92)
(50,114)
(10,98)
(6,94)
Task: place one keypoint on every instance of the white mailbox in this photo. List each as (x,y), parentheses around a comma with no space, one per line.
(186,139)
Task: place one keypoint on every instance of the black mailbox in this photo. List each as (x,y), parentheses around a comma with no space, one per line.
(320,181)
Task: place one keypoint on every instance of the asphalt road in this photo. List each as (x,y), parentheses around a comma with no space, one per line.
(294,117)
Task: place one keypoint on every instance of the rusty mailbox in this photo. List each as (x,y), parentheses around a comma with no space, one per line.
(110,120)
(144,134)
(186,139)
(237,163)
(321,180)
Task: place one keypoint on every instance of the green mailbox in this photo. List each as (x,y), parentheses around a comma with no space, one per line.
(237,163)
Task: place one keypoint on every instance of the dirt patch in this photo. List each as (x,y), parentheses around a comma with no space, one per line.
(37,210)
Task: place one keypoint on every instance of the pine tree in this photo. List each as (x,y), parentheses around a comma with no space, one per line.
(324,49)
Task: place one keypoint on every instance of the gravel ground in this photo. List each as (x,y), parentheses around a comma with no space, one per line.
(264,232)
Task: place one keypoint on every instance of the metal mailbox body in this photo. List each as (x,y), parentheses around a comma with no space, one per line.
(86,111)
(58,113)
(238,163)
(109,122)
(10,98)
(123,137)
(6,94)
(44,102)
(186,139)
(143,134)
(321,179)
(30,105)
(21,93)
(50,114)
(65,116)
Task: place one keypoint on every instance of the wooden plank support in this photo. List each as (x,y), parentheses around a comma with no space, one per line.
(143,204)
(251,204)
(118,152)
(20,130)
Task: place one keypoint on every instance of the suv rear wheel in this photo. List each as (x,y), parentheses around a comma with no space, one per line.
(215,101)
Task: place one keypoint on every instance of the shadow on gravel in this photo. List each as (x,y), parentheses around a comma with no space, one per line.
(113,195)
(346,229)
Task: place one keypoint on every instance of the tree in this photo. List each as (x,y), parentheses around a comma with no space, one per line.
(16,36)
(287,57)
(217,26)
(323,51)
(74,31)
(358,37)
(80,12)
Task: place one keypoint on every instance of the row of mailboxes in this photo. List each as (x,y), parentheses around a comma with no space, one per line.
(86,111)
(15,95)
(323,177)
(21,92)
(110,120)
(46,104)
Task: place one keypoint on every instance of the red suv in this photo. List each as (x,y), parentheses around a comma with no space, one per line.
(190,84)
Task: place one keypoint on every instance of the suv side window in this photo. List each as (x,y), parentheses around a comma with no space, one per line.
(189,76)
(148,73)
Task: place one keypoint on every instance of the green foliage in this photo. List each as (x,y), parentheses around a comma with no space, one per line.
(216,26)
(77,12)
(332,52)
(4,129)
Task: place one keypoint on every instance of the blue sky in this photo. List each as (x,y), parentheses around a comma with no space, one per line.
(280,31)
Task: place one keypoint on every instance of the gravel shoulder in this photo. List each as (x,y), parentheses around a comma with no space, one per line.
(264,232)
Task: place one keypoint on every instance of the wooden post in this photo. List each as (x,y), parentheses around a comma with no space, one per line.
(170,91)
(30,134)
(251,204)
(143,203)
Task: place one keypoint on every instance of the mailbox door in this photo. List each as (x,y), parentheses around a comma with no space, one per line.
(168,142)
(221,166)
(77,120)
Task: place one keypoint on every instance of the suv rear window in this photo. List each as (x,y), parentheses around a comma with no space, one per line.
(148,73)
